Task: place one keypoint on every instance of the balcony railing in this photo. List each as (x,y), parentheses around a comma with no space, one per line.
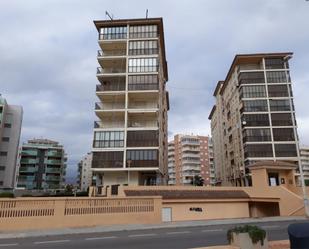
(28,169)
(52,161)
(22,178)
(113,86)
(28,161)
(107,53)
(143,86)
(29,152)
(53,170)
(109,106)
(116,124)
(54,153)
(101,70)
(52,178)
(149,105)
(144,163)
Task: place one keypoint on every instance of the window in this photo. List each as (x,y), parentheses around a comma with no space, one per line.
(2,168)
(111,33)
(281,119)
(278,91)
(5,139)
(140,65)
(144,31)
(278,77)
(6,125)
(108,139)
(107,159)
(142,138)
(142,158)
(251,78)
(255,120)
(255,106)
(280,105)
(143,82)
(143,47)
(285,150)
(253,92)
(256,135)
(274,63)
(258,150)
(3,153)
(283,134)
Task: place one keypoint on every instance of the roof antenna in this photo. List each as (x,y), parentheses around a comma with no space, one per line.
(107,14)
(146,13)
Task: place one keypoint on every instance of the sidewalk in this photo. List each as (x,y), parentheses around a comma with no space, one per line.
(131,227)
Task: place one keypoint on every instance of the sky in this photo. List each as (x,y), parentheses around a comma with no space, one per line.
(48,59)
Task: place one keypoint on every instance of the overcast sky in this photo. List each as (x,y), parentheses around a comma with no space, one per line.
(48,58)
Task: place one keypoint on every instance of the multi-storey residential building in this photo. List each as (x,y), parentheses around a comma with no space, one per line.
(84,177)
(304,159)
(254,116)
(130,136)
(190,156)
(10,128)
(42,165)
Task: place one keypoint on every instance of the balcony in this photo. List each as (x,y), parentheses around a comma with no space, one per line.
(28,169)
(142,138)
(142,121)
(143,101)
(28,161)
(143,86)
(114,124)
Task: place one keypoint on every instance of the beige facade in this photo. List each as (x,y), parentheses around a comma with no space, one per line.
(84,177)
(10,129)
(190,156)
(130,136)
(304,159)
(254,116)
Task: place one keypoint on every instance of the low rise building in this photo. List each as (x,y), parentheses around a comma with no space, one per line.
(190,156)
(42,165)
(10,129)
(84,177)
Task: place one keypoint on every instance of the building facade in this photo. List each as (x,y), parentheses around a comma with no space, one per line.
(10,129)
(84,176)
(304,159)
(254,116)
(130,136)
(190,156)
(42,165)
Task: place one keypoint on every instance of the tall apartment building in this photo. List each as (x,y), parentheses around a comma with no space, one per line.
(42,165)
(254,116)
(130,136)
(190,156)
(304,159)
(10,128)
(84,176)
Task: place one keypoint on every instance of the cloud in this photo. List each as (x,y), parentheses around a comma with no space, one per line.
(48,58)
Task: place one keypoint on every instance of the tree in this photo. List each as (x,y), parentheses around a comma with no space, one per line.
(198,181)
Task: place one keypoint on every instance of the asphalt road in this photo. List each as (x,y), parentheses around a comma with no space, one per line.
(169,238)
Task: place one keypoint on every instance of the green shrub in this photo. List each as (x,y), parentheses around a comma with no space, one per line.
(306,182)
(255,233)
(6,195)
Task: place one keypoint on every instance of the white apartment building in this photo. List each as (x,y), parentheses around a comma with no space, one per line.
(84,172)
(130,135)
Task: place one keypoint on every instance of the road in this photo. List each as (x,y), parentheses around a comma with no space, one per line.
(169,238)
